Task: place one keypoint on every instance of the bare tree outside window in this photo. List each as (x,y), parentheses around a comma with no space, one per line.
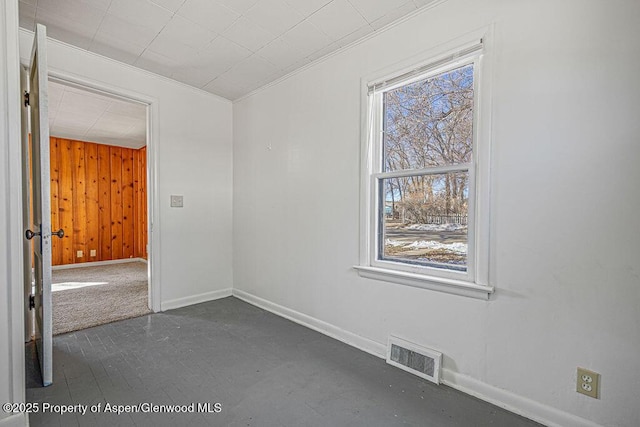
(427,125)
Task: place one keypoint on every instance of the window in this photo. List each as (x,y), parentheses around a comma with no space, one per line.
(421,184)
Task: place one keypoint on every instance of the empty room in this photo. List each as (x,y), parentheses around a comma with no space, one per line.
(358,212)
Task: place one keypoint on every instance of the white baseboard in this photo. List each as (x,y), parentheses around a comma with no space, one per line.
(323,327)
(195,299)
(17,420)
(512,402)
(98,263)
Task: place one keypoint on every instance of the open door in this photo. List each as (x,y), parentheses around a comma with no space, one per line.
(26,208)
(40,231)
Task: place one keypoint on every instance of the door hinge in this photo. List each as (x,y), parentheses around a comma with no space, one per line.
(32,302)
(26,98)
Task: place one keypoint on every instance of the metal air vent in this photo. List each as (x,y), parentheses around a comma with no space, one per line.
(418,360)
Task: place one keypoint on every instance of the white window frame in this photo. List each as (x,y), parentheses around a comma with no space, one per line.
(473,282)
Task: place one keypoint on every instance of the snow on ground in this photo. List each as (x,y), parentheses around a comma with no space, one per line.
(437,227)
(459,248)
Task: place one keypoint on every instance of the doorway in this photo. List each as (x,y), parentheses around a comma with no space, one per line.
(99,197)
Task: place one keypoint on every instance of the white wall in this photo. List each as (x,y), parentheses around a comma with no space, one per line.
(565,197)
(192,133)
(194,159)
(11,325)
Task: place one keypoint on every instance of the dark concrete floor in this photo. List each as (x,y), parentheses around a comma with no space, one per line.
(264,371)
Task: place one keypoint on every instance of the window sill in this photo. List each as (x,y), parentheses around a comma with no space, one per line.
(450,286)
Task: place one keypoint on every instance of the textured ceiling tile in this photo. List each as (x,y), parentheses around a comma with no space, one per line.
(131,109)
(56,92)
(420,3)
(356,35)
(211,43)
(110,121)
(220,55)
(306,38)
(324,51)
(80,104)
(275,16)
(103,136)
(374,9)
(141,12)
(182,30)
(240,6)
(113,27)
(338,19)
(192,76)
(101,4)
(251,70)
(80,122)
(171,5)
(27,15)
(116,49)
(156,63)
(73,8)
(296,66)
(71,15)
(209,14)
(76,132)
(225,89)
(71,32)
(281,54)
(84,116)
(393,15)
(139,130)
(308,7)
(248,34)
(170,48)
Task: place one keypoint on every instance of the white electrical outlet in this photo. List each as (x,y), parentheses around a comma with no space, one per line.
(79,254)
(587,383)
(92,253)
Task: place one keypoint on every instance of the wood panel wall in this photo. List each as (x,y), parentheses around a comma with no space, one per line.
(99,199)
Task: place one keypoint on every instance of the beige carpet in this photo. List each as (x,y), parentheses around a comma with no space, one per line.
(116,292)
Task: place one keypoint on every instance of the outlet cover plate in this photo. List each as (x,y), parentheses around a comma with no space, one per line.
(588,383)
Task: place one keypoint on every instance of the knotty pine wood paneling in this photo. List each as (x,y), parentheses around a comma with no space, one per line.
(99,198)
(140,194)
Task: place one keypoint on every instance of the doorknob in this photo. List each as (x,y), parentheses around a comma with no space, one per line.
(30,234)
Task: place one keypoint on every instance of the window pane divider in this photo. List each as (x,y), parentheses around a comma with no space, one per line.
(436,170)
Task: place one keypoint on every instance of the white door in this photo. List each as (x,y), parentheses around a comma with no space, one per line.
(40,230)
(26,208)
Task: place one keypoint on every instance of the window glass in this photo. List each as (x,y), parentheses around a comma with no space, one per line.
(424,220)
(429,123)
